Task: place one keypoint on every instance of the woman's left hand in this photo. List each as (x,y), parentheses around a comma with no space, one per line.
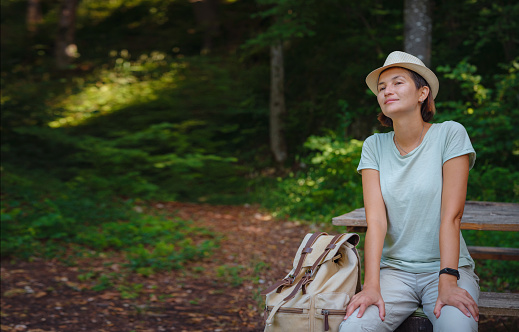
(451,294)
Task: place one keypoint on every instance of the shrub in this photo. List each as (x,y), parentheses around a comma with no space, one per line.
(491,116)
(327,185)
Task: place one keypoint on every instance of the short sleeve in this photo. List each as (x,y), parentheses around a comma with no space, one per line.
(457,143)
(369,157)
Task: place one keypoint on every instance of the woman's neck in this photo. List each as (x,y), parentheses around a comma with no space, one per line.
(409,133)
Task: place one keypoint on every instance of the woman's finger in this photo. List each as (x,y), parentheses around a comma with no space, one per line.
(381,309)
(361,310)
(350,309)
(463,308)
(473,308)
(469,305)
(437,308)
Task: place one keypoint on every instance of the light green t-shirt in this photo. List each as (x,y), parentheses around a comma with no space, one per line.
(412,190)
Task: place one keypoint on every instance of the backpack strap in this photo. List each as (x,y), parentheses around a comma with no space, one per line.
(270,318)
(359,282)
(307,278)
(289,280)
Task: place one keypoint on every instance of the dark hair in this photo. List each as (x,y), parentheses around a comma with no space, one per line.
(427,109)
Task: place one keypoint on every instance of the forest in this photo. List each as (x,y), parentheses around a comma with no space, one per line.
(124,120)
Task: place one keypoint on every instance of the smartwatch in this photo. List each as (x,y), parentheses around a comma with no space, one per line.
(450,271)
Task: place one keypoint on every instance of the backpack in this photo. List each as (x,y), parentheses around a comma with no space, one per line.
(314,295)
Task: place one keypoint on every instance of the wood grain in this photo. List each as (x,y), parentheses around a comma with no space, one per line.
(489,216)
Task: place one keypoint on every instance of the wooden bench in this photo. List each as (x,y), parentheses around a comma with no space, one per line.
(484,216)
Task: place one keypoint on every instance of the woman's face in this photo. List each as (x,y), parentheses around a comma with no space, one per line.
(397,93)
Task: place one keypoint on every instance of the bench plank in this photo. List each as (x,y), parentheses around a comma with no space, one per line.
(490,304)
(499,304)
(488,216)
(494,253)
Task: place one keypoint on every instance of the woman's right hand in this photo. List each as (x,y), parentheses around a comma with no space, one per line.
(363,299)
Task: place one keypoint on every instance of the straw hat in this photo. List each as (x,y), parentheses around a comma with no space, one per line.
(404,60)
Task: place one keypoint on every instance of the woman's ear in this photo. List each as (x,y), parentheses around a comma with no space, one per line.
(424,92)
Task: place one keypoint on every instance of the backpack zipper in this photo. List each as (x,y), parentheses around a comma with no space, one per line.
(287,310)
(327,312)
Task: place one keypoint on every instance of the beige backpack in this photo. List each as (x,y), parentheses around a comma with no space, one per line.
(314,295)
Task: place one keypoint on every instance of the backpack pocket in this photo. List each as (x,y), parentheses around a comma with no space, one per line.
(330,309)
(288,319)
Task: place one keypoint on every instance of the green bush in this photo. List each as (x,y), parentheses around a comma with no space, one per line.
(36,207)
(491,116)
(152,242)
(495,275)
(327,185)
(493,184)
(42,216)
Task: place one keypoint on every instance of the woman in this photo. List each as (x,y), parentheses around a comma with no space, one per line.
(414,182)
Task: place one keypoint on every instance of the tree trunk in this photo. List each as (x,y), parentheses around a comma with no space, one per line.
(277,103)
(206,16)
(418,29)
(34,16)
(66,49)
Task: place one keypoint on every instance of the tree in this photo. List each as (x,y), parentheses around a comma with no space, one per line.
(418,29)
(278,144)
(34,16)
(65,48)
(206,15)
(290,19)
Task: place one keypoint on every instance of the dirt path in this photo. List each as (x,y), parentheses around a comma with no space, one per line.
(220,293)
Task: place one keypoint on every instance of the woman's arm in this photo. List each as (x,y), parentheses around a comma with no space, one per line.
(455,178)
(377,227)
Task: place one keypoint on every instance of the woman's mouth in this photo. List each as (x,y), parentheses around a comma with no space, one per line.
(388,101)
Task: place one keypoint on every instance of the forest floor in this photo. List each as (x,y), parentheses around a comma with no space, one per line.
(218,293)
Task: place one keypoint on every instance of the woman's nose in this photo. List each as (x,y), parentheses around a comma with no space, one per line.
(388,91)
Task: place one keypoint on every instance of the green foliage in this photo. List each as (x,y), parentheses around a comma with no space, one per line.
(41,210)
(491,117)
(105,282)
(130,291)
(167,256)
(327,186)
(100,138)
(290,19)
(493,184)
(495,275)
(230,274)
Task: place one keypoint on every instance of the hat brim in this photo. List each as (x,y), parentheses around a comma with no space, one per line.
(426,73)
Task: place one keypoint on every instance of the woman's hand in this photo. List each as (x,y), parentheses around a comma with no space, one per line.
(363,300)
(451,294)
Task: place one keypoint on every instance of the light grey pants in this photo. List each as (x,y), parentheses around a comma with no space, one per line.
(403,292)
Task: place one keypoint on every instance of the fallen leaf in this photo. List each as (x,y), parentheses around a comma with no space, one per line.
(14,292)
(40,294)
(109,295)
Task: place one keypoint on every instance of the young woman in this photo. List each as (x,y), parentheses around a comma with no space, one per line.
(414,182)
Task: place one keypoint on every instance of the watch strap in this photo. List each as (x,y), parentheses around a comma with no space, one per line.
(452,272)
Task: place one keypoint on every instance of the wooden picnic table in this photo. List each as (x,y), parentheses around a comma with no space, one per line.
(483,216)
